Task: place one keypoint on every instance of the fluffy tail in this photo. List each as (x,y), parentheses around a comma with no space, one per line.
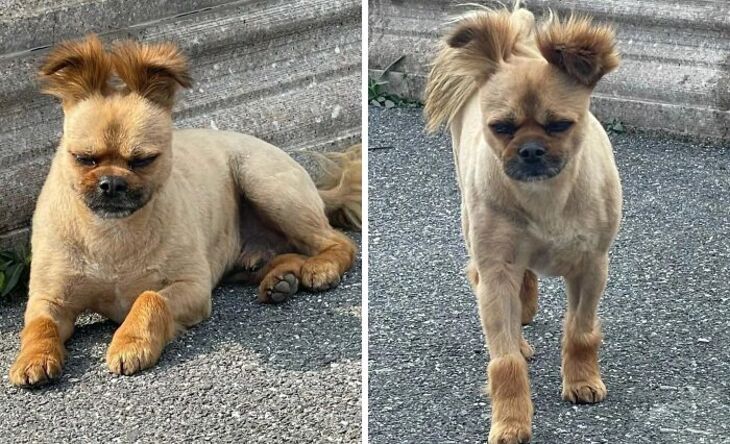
(340,186)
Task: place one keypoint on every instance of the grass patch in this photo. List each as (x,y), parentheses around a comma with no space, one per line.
(615,126)
(14,271)
(378,97)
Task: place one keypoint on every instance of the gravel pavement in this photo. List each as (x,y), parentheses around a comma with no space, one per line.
(666,353)
(251,373)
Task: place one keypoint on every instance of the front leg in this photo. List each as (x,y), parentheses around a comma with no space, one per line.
(154,320)
(582,334)
(498,294)
(48,324)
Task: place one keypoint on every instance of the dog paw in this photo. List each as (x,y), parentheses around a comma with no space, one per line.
(255,260)
(277,289)
(34,369)
(585,392)
(510,432)
(129,355)
(320,274)
(526,349)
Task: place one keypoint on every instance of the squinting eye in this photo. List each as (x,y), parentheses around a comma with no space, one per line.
(505,128)
(85,160)
(558,127)
(141,162)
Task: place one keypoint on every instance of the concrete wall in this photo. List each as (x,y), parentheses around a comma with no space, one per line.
(675,74)
(287,71)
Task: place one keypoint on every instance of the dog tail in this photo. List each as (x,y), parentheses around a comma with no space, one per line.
(340,186)
(479,41)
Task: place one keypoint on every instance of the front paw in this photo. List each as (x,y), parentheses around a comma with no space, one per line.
(585,392)
(37,367)
(129,355)
(510,432)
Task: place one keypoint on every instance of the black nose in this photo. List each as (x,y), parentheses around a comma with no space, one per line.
(532,152)
(112,185)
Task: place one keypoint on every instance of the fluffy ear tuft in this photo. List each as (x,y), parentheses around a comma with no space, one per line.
(482,41)
(153,71)
(75,70)
(582,50)
(470,55)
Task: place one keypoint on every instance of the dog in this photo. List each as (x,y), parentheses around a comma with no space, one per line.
(138,222)
(540,191)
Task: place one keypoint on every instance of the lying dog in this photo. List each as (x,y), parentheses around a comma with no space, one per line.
(138,222)
(539,186)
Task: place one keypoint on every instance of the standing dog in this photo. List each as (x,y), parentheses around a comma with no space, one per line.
(539,186)
(139,222)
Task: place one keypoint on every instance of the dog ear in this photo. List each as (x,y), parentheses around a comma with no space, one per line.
(75,70)
(154,71)
(481,42)
(583,51)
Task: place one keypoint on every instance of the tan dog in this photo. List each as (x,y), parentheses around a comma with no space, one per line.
(139,222)
(540,190)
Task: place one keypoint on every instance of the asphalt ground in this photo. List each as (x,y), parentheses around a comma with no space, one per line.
(252,373)
(666,352)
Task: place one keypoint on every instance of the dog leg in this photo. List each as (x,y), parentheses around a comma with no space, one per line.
(508,383)
(334,254)
(290,204)
(525,293)
(528,296)
(155,319)
(281,279)
(582,336)
(47,327)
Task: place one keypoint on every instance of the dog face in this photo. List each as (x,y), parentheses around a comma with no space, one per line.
(117,153)
(533,119)
(534,89)
(116,149)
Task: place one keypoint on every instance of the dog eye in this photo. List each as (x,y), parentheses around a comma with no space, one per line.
(505,128)
(558,127)
(85,160)
(141,162)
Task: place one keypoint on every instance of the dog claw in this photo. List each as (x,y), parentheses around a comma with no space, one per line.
(510,434)
(586,392)
(252,268)
(36,370)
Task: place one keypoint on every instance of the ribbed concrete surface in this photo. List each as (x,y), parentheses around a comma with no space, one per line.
(285,71)
(675,74)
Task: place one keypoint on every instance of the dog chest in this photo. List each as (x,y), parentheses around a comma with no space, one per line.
(111,289)
(554,250)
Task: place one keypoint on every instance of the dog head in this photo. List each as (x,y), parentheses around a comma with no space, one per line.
(534,98)
(116,147)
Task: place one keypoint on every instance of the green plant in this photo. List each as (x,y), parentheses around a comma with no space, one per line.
(14,271)
(615,126)
(378,97)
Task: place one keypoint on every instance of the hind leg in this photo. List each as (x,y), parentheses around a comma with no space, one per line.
(528,296)
(287,201)
(261,242)
(331,256)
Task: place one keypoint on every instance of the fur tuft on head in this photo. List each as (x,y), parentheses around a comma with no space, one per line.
(469,55)
(582,50)
(75,70)
(154,71)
